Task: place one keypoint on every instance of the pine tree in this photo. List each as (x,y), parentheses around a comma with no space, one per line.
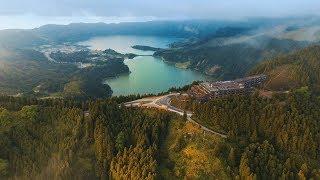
(232,158)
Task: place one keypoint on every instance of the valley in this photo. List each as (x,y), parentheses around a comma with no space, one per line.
(222,51)
(194,99)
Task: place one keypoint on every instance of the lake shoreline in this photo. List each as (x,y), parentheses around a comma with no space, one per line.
(148,73)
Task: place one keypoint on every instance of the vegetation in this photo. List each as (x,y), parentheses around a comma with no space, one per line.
(270,138)
(77,136)
(227,58)
(23,70)
(267,138)
(60,141)
(77,56)
(88,56)
(88,82)
(189,153)
(295,70)
(29,73)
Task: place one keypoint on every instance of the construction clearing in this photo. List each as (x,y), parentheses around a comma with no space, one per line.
(208,90)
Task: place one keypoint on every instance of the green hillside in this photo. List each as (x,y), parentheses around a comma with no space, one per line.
(29,73)
(228,58)
(270,138)
(55,140)
(301,68)
(23,70)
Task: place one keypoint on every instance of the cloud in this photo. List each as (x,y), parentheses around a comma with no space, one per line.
(33,13)
(162,8)
(29,21)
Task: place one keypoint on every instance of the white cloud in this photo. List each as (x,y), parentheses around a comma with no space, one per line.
(12,12)
(161,8)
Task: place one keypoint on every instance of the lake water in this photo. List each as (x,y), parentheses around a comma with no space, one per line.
(148,74)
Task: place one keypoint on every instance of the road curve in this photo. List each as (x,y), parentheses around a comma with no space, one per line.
(164,102)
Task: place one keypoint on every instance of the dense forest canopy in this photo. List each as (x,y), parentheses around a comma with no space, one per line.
(38,140)
(277,137)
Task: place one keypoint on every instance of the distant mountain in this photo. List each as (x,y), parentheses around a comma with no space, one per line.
(185,29)
(301,68)
(82,31)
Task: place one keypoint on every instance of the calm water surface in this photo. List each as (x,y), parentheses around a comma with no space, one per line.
(148,74)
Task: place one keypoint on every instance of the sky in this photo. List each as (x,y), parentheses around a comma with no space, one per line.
(34,13)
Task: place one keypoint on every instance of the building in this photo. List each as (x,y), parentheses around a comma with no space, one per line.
(252,81)
(208,90)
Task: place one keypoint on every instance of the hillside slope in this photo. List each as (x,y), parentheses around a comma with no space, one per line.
(23,70)
(271,138)
(301,68)
(229,57)
(29,73)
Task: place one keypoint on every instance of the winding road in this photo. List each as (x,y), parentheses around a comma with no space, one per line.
(164,102)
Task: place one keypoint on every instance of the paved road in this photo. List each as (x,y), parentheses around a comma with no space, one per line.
(164,102)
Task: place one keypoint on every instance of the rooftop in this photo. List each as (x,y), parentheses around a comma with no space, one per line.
(222,85)
(250,78)
(230,85)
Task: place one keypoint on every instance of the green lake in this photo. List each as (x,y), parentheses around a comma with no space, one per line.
(148,74)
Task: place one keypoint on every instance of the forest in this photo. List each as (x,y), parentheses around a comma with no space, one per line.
(270,138)
(56,140)
(78,136)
